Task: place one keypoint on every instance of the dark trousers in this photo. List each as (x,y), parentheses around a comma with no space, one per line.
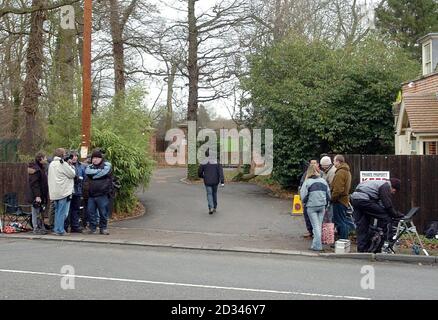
(308,223)
(365,211)
(52,214)
(98,206)
(84,213)
(72,220)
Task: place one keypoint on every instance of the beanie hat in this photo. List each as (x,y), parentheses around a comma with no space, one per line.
(395,183)
(325,161)
(97,154)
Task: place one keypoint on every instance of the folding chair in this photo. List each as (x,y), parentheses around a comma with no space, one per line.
(406,226)
(14,212)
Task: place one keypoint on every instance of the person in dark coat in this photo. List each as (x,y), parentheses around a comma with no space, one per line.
(372,199)
(100,189)
(72,220)
(38,194)
(213,174)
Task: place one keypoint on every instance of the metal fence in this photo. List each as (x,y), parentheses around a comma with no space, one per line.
(14,178)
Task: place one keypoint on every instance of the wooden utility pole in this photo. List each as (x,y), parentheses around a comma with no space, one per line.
(86,81)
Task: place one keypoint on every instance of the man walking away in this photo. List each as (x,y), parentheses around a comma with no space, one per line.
(61,183)
(372,199)
(38,194)
(72,220)
(99,190)
(213,174)
(340,197)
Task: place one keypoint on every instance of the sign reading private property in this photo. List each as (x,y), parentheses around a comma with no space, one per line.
(374,175)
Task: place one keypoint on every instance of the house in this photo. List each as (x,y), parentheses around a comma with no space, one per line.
(416,113)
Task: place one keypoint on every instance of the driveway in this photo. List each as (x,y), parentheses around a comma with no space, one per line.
(248,215)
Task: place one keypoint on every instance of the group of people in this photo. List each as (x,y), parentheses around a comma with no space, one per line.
(325,192)
(64,185)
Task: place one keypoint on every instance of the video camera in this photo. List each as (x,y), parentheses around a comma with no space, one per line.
(38,205)
(69,156)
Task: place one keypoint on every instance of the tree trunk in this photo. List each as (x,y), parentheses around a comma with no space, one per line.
(33,76)
(278,20)
(16,112)
(193,68)
(118,52)
(169,104)
(66,66)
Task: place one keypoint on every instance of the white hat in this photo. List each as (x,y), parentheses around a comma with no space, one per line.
(326,161)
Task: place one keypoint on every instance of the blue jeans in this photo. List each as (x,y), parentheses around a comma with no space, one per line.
(212,196)
(342,221)
(98,208)
(316,216)
(61,212)
(307,220)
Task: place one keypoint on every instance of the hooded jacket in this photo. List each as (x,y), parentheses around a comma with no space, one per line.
(341,185)
(99,179)
(61,179)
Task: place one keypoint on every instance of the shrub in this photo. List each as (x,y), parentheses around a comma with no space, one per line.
(131,166)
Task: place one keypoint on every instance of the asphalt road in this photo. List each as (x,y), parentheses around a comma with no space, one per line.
(242,208)
(244,211)
(33,270)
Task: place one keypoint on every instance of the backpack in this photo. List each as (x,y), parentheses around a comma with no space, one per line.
(432,230)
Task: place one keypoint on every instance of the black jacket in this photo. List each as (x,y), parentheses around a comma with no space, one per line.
(212,173)
(38,185)
(102,186)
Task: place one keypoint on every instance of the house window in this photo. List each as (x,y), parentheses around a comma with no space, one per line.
(431,148)
(413,145)
(427,58)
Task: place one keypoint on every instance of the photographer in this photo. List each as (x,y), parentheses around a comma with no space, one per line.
(61,183)
(373,200)
(100,187)
(72,220)
(38,192)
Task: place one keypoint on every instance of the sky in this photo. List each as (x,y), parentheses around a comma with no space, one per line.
(218,106)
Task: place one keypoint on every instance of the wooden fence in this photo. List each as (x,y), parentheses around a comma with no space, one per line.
(13,178)
(419,176)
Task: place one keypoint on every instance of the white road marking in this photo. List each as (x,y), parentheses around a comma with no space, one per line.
(185,285)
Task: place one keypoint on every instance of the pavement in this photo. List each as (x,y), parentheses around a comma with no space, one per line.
(50,270)
(249,219)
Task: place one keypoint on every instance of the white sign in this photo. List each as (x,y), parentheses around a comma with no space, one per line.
(84,152)
(374,175)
